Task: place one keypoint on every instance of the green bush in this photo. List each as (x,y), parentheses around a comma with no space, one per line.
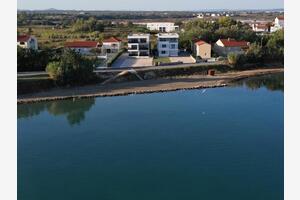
(236,60)
(254,54)
(71,69)
(33,60)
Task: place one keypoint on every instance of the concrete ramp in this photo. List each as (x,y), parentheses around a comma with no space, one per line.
(122,73)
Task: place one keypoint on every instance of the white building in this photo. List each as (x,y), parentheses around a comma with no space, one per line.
(200,16)
(260,27)
(111,45)
(278,24)
(139,45)
(27,41)
(167,44)
(83,47)
(162,26)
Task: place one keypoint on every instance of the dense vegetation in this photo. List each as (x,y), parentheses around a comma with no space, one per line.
(224,27)
(71,69)
(270,49)
(69,17)
(32,60)
(54,28)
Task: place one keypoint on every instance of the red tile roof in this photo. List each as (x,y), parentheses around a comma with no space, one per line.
(200,42)
(82,44)
(111,40)
(262,25)
(234,43)
(281,17)
(23,38)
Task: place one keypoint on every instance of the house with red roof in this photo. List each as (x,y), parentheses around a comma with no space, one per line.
(83,47)
(27,41)
(225,46)
(202,49)
(278,24)
(111,45)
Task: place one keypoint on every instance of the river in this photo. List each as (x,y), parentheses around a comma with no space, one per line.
(220,143)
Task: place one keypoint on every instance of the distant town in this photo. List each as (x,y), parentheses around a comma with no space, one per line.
(120,40)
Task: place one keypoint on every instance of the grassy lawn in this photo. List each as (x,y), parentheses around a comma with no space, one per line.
(162,59)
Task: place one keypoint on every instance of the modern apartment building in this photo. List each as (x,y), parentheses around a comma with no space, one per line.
(139,45)
(162,26)
(167,44)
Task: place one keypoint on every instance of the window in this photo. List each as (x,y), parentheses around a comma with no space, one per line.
(134,47)
(163,46)
(163,52)
(162,29)
(173,46)
(143,40)
(173,40)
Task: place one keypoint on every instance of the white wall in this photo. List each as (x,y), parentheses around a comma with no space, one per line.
(169,48)
(168,27)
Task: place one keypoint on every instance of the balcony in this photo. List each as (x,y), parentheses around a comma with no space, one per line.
(144,48)
(133,41)
(133,47)
(143,41)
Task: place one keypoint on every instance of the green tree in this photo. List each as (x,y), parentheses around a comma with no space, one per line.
(72,68)
(226,22)
(254,54)
(236,60)
(32,60)
(275,46)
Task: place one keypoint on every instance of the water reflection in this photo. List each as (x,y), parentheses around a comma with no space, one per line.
(272,82)
(73,110)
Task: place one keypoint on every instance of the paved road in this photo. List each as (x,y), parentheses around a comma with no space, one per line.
(36,73)
(158,67)
(28,74)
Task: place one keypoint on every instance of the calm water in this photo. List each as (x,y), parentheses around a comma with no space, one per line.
(222,143)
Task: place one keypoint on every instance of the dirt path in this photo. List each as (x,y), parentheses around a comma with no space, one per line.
(147,86)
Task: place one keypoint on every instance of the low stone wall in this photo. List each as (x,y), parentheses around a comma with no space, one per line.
(148,74)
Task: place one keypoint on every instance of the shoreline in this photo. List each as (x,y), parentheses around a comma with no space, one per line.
(146,86)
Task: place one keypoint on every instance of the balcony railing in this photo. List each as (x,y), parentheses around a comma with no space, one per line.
(144,48)
(133,41)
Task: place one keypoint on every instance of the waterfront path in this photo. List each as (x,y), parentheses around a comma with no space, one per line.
(146,86)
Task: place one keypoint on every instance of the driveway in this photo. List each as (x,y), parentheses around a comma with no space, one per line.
(124,61)
(183,59)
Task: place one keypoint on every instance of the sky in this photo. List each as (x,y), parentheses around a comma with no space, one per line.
(148,4)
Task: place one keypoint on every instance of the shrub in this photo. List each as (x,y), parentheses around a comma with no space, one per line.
(71,69)
(33,60)
(254,54)
(236,60)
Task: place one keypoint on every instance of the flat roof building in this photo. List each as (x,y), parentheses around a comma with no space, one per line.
(167,44)
(139,45)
